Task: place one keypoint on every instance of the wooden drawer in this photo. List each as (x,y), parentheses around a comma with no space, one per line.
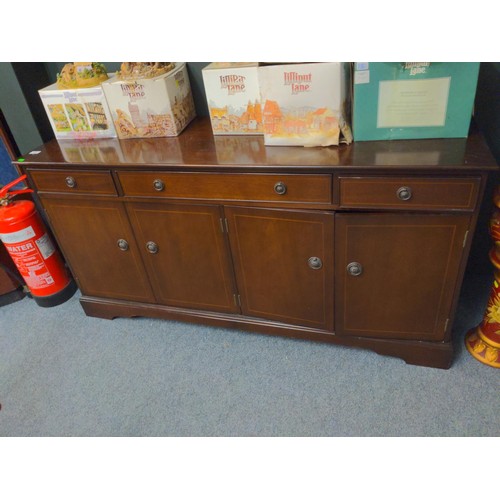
(414,193)
(294,188)
(73,181)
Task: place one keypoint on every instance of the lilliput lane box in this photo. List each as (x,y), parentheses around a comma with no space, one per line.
(78,113)
(233,98)
(415,100)
(305,104)
(146,102)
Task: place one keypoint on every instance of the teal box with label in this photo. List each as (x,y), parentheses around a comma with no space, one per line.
(396,100)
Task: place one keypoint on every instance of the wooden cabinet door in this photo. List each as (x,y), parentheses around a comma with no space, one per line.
(396,274)
(186,253)
(277,280)
(100,248)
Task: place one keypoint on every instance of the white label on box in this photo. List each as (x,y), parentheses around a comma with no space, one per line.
(362,66)
(413,103)
(361,77)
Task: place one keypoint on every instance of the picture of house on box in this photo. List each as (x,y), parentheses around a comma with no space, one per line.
(299,121)
(59,118)
(230,120)
(160,106)
(304,104)
(133,123)
(77,117)
(97,115)
(233,98)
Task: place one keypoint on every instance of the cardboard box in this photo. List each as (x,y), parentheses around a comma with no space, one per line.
(151,107)
(305,104)
(233,98)
(413,100)
(78,113)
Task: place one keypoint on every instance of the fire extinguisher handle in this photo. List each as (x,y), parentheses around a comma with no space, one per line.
(20,191)
(4,191)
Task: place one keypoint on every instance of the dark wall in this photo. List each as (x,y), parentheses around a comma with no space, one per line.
(15,108)
(33,76)
(479,272)
(487,105)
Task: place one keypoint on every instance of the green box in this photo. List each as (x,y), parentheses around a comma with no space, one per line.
(396,100)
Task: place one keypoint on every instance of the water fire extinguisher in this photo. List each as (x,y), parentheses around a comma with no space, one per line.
(28,243)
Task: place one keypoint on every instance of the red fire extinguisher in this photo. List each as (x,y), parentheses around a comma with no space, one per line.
(25,237)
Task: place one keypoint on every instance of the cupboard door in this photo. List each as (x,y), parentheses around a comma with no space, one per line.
(396,274)
(186,253)
(284,264)
(100,248)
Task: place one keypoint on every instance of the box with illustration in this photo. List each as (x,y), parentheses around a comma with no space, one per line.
(150,99)
(78,113)
(413,100)
(305,104)
(233,98)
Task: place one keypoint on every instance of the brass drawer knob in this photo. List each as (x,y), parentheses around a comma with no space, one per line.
(151,247)
(280,188)
(315,263)
(122,245)
(158,185)
(404,193)
(70,182)
(354,268)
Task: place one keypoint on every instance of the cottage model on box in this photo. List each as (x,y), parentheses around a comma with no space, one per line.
(305,104)
(150,103)
(233,98)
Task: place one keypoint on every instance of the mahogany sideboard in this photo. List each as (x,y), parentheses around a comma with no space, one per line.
(362,245)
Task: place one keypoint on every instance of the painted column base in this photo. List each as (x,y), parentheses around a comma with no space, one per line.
(482,348)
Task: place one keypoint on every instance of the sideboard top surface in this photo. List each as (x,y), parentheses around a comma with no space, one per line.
(197,148)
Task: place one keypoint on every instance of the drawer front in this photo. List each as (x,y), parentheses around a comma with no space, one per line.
(409,192)
(73,181)
(293,188)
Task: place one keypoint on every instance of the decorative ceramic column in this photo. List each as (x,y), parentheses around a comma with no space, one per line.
(483,341)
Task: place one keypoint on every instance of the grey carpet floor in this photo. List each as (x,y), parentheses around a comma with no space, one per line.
(65,374)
